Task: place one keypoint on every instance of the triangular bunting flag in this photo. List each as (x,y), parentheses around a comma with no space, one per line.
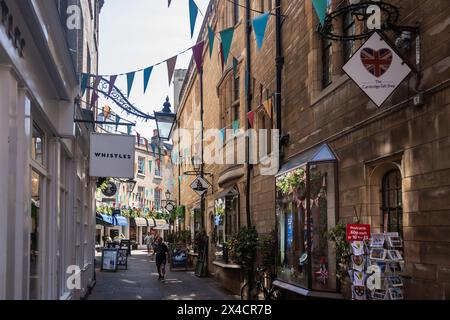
(227,39)
(112,82)
(268,107)
(260,26)
(93,99)
(235,125)
(221,56)
(106,112)
(147,74)
(146,147)
(193,12)
(138,139)
(198,55)
(168,5)
(321,9)
(84,82)
(129,130)
(251,118)
(235,67)
(130,80)
(171,63)
(117,122)
(212,37)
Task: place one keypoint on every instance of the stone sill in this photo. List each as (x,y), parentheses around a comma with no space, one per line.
(227,266)
(306,292)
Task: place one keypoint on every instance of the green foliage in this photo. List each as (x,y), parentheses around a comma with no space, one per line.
(246,246)
(181,211)
(267,247)
(231,245)
(291,181)
(104,209)
(342,248)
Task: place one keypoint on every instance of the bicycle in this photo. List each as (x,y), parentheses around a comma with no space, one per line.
(259,291)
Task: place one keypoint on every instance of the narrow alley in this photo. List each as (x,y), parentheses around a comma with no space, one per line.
(140,282)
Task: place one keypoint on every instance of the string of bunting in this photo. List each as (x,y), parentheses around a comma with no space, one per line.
(226,39)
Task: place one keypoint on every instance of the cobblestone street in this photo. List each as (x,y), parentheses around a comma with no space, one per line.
(140,282)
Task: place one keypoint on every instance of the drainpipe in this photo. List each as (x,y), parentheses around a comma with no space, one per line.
(279,69)
(249,108)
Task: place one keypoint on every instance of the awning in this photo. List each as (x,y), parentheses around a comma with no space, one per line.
(120,221)
(317,154)
(105,220)
(138,222)
(151,222)
(161,224)
(231,192)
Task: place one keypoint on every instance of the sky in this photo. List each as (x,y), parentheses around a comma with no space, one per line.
(135,34)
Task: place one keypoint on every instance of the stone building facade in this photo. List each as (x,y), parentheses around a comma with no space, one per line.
(47,214)
(392,166)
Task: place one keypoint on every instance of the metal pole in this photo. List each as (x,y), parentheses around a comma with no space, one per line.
(202,168)
(279,66)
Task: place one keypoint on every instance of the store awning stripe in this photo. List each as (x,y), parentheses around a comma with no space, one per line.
(120,221)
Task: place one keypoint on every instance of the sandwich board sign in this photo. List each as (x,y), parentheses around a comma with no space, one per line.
(200,185)
(377,69)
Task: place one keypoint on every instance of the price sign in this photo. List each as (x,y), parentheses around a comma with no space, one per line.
(358,232)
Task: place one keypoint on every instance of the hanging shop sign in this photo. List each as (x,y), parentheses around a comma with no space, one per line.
(377,69)
(200,185)
(358,232)
(112,156)
(110,190)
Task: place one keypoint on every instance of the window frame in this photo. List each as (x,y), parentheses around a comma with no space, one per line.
(386,208)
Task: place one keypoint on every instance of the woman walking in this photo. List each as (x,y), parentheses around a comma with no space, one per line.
(161,258)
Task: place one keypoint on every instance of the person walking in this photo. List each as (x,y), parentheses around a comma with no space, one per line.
(162,251)
(149,240)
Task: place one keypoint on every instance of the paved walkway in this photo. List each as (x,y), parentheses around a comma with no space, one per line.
(140,282)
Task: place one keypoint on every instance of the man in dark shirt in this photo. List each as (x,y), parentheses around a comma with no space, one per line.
(161,258)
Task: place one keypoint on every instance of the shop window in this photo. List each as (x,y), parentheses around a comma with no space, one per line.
(226,222)
(306,210)
(34,235)
(392,205)
(38,145)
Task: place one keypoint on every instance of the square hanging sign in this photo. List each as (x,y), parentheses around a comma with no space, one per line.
(377,69)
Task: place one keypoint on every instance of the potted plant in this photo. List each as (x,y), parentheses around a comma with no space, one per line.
(343,252)
(230,250)
(246,247)
(267,247)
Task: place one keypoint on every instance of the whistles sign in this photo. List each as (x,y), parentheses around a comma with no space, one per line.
(112,156)
(358,232)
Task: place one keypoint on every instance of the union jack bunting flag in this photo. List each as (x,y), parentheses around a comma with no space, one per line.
(376,62)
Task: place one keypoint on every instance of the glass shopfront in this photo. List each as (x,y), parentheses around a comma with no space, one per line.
(306,210)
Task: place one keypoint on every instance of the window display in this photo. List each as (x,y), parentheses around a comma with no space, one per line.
(306,210)
(226,224)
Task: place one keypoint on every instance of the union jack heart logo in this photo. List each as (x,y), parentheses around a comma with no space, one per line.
(376,62)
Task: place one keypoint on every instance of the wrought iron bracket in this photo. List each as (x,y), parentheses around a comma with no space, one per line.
(389,12)
(118,98)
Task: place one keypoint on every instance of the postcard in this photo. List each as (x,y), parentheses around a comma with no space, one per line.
(377,240)
(378,254)
(358,263)
(358,248)
(395,255)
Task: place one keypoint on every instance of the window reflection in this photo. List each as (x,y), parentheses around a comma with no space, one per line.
(37,148)
(34,235)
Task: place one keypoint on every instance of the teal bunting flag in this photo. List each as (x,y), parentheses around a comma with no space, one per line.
(84,82)
(222,136)
(129,130)
(130,80)
(193,12)
(147,74)
(212,37)
(153,148)
(227,39)
(235,67)
(321,9)
(168,5)
(235,125)
(259,27)
(117,122)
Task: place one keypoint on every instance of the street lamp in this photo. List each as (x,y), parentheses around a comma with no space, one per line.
(131,184)
(165,121)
